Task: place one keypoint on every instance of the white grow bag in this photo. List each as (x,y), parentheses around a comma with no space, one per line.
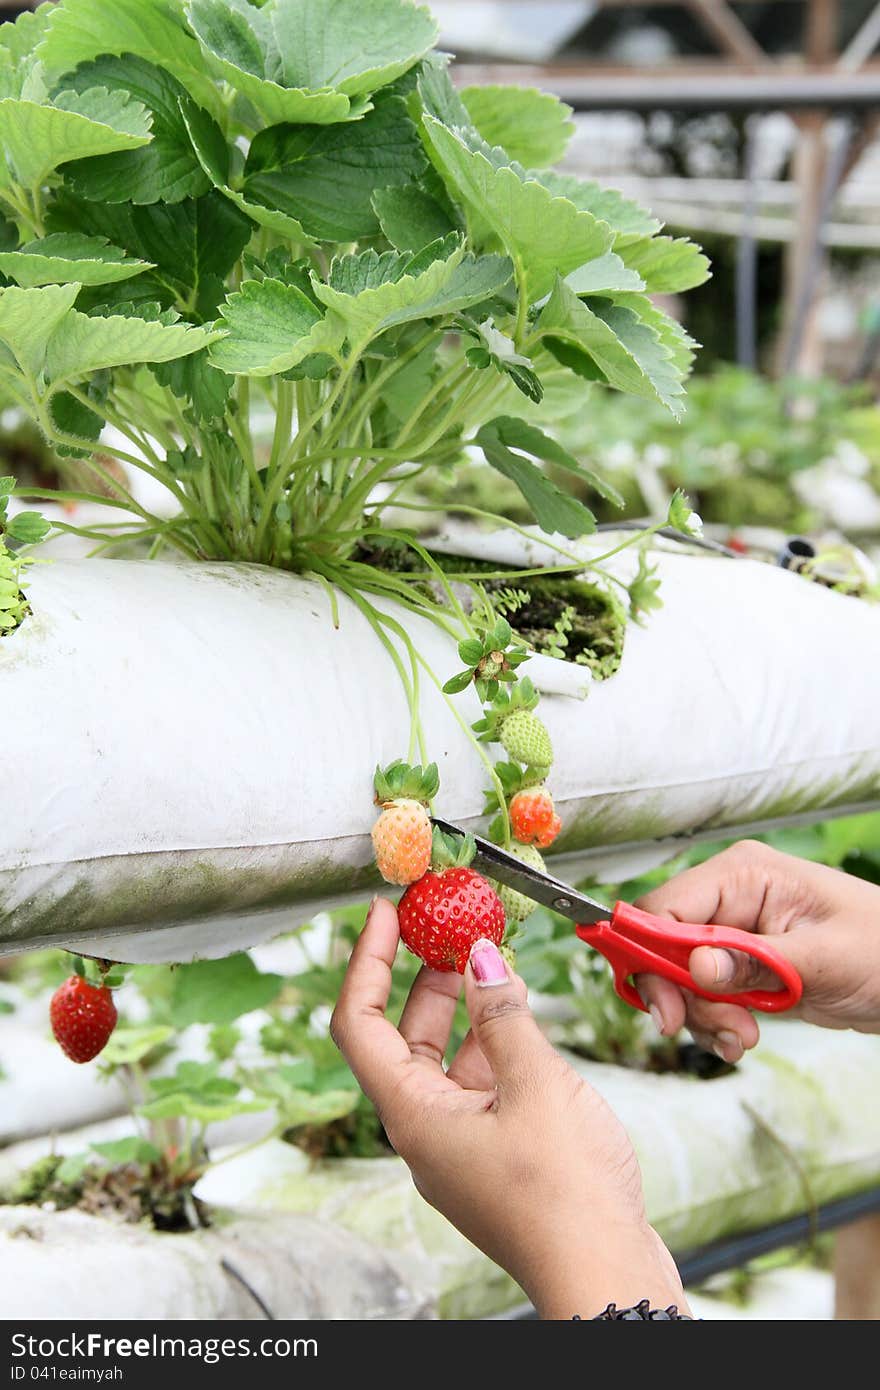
(197,743)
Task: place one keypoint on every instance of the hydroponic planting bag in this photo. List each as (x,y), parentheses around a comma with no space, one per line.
(194,745)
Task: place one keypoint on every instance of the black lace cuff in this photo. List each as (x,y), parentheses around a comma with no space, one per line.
(641,1312)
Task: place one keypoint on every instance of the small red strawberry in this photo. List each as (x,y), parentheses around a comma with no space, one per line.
(449,908)
(402,833)
(533,817)
(82,1016)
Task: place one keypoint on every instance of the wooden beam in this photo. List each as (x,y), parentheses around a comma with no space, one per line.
(713,86)
(862,44)
(729,32)
(857,1271)
(820,32)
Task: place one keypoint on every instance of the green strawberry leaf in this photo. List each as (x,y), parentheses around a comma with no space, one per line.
(296,1107)
(119,1153)
(82,344)
(519,434)
(667,265)
(544,236)
(626,218)
(325,177)
(28,318)
(66,257)
(71,417)
(129,1045)
(436,95)
(352,46)
(27,527)
(36,138)
(167,169)
(240,46)
(554,510)
(220,991)
(192,244)
(409,217)
(212,153)
(81,30)
(271,328)
(20,38)
(372,293)
(604,274)
(204,1112)
(614,341)
(532,126)
(195,380)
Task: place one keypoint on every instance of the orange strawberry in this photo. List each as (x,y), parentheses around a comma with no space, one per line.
(533,817)
(402,841)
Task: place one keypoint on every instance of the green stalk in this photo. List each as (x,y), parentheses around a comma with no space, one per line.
(375,619)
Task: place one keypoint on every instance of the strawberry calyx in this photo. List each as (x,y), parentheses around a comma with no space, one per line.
(102,974)
(401,782)
(451,851)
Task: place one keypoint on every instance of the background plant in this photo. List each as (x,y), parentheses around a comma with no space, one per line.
(24,528)
(740,452)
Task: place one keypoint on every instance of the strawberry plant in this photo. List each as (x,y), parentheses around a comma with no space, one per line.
(218,213)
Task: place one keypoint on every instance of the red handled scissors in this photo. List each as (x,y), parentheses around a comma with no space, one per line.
(636,942)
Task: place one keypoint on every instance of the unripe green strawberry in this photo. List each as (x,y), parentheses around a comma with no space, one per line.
(517,907)
(525,738)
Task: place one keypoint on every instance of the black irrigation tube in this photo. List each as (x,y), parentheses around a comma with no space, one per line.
(700,1264)
(697,1265)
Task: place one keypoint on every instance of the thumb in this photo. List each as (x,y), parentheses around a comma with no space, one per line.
(501,1020)
(728,972)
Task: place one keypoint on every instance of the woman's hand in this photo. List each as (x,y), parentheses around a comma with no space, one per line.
(826,923)
(510,1143)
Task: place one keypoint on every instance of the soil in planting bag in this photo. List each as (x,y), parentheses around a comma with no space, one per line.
(195,744)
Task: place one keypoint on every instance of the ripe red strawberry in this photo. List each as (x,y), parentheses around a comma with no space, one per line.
(443,914)
(402,833)
(82,1016)
(533,817)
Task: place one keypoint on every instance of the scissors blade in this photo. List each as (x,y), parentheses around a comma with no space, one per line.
(541,887)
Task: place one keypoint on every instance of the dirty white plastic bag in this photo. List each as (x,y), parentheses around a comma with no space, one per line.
(195,745)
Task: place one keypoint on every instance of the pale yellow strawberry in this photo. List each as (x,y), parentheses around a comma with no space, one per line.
(402,841)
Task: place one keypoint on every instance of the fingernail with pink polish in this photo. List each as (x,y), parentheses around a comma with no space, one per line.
(658,1018)
(487,963)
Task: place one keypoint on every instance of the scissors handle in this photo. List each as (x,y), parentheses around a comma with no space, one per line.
(637,943)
